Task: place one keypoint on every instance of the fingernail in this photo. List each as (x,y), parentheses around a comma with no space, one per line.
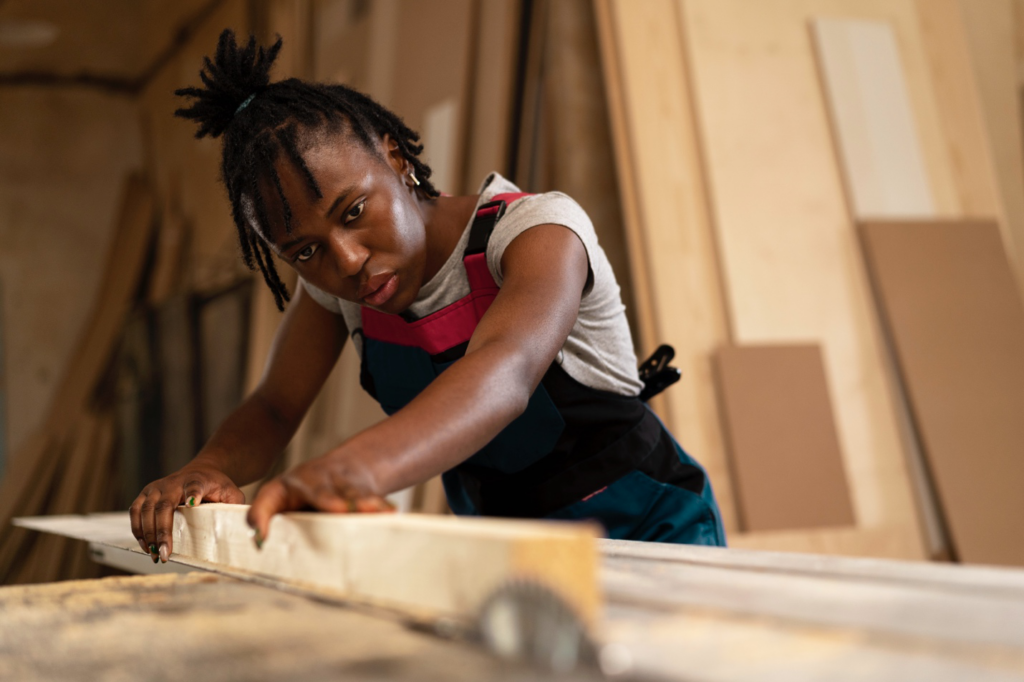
(152,550)
(257,537)
(192,501)
(164,553)
(155,558)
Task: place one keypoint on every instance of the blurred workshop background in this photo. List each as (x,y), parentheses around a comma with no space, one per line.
(818,203)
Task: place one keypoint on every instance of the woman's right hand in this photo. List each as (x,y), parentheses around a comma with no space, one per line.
(152,512)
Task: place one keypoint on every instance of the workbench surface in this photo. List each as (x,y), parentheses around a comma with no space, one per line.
(201,626)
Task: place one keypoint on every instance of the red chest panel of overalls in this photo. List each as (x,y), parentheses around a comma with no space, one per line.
(454,324)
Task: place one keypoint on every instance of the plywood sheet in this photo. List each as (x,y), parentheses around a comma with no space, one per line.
(789,256)
(785,454)
(872,118)
(956,318)
(669,230)
(992,39)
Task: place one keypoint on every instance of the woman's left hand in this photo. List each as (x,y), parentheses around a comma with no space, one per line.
(329,483)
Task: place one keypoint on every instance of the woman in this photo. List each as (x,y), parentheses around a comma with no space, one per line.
(490,328)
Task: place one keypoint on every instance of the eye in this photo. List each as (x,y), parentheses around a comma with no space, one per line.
(355,211)
(306,253)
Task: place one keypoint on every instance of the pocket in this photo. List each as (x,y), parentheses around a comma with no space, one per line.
(677,515)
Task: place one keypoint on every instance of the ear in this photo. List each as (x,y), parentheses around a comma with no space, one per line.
(394,156)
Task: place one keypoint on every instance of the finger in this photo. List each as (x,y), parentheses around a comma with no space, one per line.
(272,498)
(135,514)
(192,491)
(147,513)
(229,494)
(164,515)
(328,500)
(373,504)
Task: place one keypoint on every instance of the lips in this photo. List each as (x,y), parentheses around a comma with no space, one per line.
(379,288)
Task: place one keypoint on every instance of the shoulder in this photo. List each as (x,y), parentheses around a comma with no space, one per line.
(527,210)
(530,210)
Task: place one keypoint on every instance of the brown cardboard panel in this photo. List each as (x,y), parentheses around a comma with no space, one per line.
(956,319)
(787,464)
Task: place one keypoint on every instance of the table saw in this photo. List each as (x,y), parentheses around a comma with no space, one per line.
(667,612)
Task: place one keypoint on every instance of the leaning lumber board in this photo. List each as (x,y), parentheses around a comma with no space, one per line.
(669,227)
(960,578)
(426,566)
(790,263)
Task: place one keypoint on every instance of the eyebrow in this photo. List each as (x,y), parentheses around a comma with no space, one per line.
(289,244)
(341,197)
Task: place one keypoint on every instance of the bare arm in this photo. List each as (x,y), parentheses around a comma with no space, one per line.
(467,405)
(305,349)
(308,343)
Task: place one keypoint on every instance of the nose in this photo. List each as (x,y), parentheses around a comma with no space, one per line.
(349,254)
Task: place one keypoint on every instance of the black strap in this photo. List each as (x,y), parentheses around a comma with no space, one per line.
(487,216)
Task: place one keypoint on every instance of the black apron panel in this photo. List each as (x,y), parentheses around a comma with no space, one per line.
(606,436)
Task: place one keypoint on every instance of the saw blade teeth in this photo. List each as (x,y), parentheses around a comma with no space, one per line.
(526,621)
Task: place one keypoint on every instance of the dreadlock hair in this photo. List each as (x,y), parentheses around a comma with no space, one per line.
(260,121)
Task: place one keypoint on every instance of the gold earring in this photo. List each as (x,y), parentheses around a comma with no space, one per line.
(415,180)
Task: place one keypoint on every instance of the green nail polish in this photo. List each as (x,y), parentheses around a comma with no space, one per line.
(192,501)
(152,549)
(258,537)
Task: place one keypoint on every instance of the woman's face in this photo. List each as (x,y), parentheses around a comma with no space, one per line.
(365,239)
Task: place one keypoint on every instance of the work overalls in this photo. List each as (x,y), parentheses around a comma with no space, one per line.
(575,453)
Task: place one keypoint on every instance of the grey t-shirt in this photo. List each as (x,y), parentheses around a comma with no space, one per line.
(599,351)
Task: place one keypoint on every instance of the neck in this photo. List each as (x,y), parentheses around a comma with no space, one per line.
(445,219)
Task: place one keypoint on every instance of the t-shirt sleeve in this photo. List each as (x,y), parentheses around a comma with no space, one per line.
(551,208)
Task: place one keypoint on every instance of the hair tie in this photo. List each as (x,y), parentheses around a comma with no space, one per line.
(244,104)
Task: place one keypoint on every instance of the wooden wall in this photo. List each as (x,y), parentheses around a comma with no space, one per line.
(64,155)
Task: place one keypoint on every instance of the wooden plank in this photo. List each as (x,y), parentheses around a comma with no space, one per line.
(122,270)
(788,248)
(178,375)
(991,32)
(956,318)
(982,580)
(964,133)
(738,615)
(222,325)
(723,647)
(168,265)
(669,232)
(872,117)
(428,566)
(903,610)
(28,486)
(565,142)
(785,453)
(497,46)
(3,387)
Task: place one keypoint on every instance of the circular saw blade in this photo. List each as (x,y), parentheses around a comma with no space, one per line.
(525,621)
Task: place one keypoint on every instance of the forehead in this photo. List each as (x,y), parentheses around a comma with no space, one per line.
(328,161)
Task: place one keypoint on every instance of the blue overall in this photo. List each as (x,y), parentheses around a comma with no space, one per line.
(575,453)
